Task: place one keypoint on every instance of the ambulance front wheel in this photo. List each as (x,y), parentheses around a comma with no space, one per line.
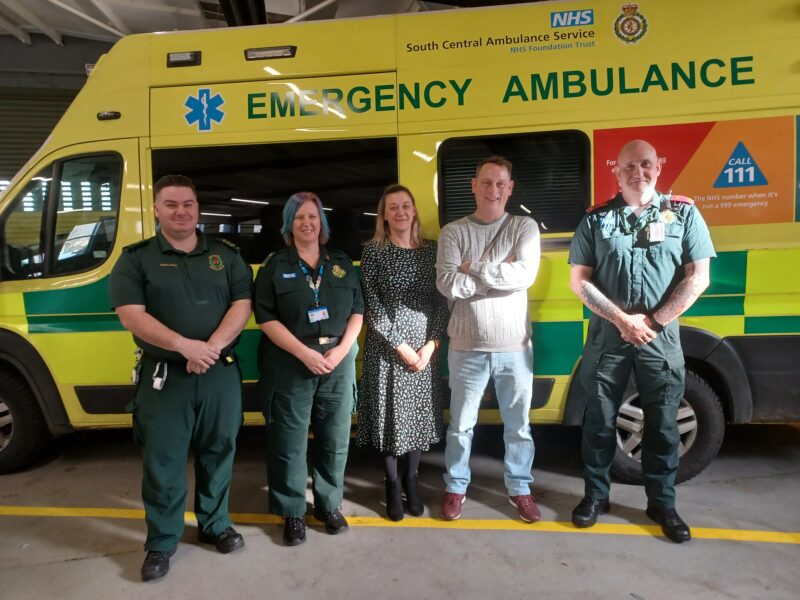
(23,431)
(701,423)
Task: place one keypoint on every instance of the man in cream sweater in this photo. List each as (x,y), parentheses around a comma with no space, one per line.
(486,262)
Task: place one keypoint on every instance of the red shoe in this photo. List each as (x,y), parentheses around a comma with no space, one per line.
(451,505)
(526,507)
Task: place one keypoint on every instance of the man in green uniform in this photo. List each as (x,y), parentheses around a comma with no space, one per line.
(638,262)
(186,299)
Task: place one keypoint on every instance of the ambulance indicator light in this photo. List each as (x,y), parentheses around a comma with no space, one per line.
(271,52)
(184,59)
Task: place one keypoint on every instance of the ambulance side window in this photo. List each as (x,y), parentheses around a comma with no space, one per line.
(550,173)
(242,189)
(86,218)
(21,231)
(64,221)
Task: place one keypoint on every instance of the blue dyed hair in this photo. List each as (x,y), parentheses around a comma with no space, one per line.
(290,209)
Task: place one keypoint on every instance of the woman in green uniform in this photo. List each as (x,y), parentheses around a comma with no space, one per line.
(309,307)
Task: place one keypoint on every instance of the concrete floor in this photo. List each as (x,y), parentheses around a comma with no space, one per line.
(753,485)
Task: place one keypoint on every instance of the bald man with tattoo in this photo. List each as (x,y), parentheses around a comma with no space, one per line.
(638,262)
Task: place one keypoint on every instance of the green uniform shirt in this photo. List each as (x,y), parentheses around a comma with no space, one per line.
(283,294)
(187,292)
(634,273)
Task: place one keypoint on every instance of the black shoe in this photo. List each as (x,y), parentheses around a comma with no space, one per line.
(226,542)
(294,531)
(587,511)
(156,564)
(671,524)
(413,501)
(333,520)
(394,502)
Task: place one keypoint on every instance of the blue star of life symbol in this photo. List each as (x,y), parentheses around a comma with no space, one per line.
(204,109)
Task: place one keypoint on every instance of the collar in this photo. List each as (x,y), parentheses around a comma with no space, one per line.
(294,257)
(477,221)
(165,247)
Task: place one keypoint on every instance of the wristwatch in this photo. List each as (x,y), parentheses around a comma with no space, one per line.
(656,326)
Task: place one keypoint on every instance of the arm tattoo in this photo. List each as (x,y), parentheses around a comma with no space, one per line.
(597,302)
(682,297)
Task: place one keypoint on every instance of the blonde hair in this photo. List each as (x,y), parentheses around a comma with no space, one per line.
(381,236)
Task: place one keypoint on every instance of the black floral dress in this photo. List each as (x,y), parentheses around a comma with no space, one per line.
(400,410)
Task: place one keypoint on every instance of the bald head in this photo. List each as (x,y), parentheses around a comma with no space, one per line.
(637,171)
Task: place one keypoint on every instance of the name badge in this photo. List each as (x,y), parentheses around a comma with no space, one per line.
(289,275)
(318,314)
(655,232)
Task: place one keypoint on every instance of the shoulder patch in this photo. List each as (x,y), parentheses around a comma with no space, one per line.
(681,199)
(136,246)
(229,244)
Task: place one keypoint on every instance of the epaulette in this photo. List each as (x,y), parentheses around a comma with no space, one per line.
(229,244)
(132,247)
(269,258)
(597,207)
(681,199)
(604,205)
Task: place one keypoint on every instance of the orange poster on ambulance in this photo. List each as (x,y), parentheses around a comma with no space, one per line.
(738,172)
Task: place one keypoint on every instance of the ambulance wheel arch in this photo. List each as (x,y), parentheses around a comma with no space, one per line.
(30,406)
(701,420)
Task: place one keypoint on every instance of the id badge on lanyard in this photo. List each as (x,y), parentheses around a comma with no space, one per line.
(318,313)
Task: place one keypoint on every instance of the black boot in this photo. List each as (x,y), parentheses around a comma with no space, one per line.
(394,502)
(413,500)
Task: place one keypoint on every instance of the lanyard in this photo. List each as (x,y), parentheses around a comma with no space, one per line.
(314,286)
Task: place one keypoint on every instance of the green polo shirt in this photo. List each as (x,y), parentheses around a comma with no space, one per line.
(638,275)
(189,292)
(283,294)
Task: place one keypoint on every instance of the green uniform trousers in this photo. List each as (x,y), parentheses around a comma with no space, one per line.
(294,399)
(198,412)
(658,369)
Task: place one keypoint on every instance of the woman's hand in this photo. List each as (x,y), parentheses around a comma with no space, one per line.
(316,362)
(407,355)
(335,355)
(424,355)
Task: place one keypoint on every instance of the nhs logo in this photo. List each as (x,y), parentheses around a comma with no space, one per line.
(572,18)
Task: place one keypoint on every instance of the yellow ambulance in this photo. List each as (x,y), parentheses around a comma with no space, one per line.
(344,108)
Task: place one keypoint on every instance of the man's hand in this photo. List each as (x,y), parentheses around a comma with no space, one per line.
(196,351)
(634,329)
(464,268)
(195,367)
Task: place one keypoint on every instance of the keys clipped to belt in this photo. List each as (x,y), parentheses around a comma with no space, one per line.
(137,367)
(159,380)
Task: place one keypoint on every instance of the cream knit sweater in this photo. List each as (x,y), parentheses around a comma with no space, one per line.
(489,304)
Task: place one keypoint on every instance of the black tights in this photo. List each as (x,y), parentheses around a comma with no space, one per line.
(410,464)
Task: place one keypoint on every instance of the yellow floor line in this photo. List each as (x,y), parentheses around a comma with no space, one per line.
(705,533)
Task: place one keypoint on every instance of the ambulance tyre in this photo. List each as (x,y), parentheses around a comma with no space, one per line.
(701,422)
(23,431)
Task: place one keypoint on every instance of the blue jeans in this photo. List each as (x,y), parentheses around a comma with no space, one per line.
(512,373)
